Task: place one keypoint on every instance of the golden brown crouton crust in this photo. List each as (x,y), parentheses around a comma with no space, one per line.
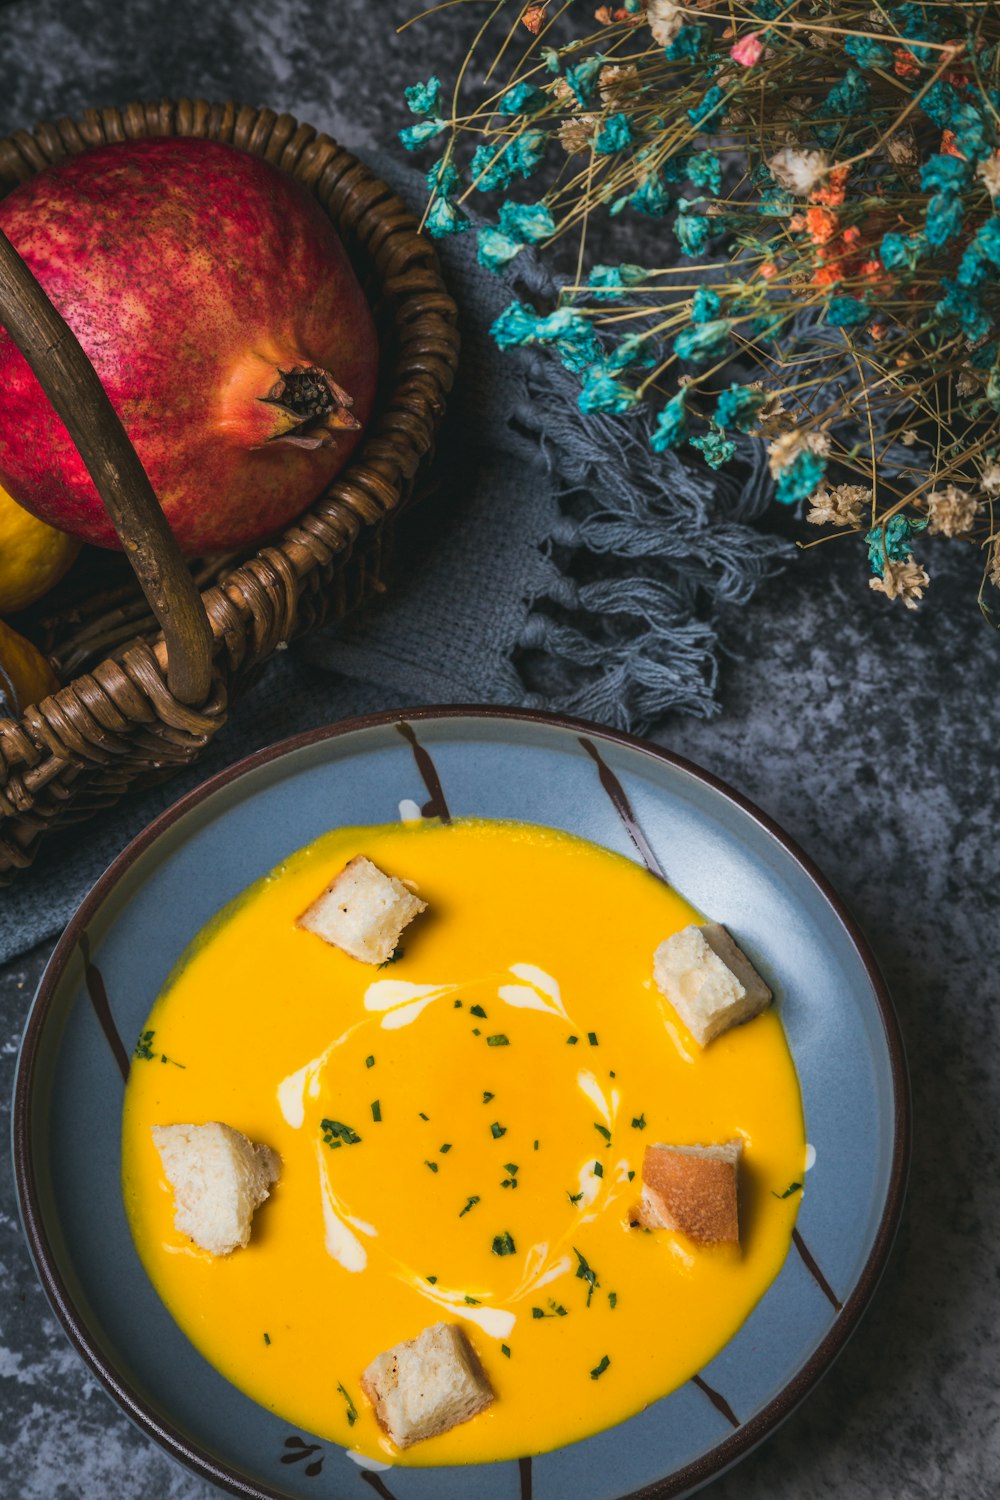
(692,1193)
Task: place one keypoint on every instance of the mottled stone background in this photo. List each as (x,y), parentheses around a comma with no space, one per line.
(870,734)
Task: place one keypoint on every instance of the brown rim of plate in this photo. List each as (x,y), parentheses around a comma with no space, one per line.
(724,1454)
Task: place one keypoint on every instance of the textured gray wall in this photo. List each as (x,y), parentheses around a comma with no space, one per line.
(869,733)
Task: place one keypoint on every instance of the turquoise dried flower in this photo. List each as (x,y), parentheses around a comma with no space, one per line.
(891,542)
(525,152)
(739,407)
(964,306)
(491,168)
(523,99)
(573,338)
(527,222)
(443,218)
(705,305)
(847,312)
(637,349)
(443,177)
(867,52)
(415,136)
(687,43)
(614,135)
(609,281)
(700,114)
(718,450)
(692,231)
(903,250)
(495,249)
(799,478)
(671,425)
(650,197)
(944,219)
(704,342)
(704,169)
(515,326)
(942,174)
(424,98)
(602,392)
(583,78)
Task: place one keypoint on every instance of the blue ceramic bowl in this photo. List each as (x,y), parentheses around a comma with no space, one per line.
(724,855)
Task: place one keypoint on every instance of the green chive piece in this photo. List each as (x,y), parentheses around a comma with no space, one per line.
(592,1038)
(598,1169)
(505,1350)
(336,1133)
(487,1096)
(471,1301)
(457,1005)
(631,1176)
(431,1279)
(571,1041)
(432,1164)
(477,1010)
(469,1203)
(511,1167)
(587,1274)
(423,1116)
(376,1111)
(599,1370)
(352,1410)
(603,1130)
(476,1031)
(536,1146)
(613,1300)
(370,1060)
(503,1244)
(793,1187)
(639,1122)
(497,1130)
(574,1198)
(445,1148)
(267,1338)
(498,1040)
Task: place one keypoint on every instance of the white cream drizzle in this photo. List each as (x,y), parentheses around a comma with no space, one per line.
(539,991)
(342,1244)
(305,1082)
(409,811)
(364,1462)
(810,1158)
(401,1001)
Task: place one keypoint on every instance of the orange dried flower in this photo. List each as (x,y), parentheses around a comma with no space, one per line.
(949,145)
(768,269)
(821,224)
(833,190)
(906,65)
(878,331)
(534,17)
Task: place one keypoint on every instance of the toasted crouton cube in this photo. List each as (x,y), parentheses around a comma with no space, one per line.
(427,1386)
(363,911)
(693,1189)
(711,984)
(219,1179)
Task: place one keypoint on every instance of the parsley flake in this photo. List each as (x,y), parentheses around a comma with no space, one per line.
(599,1370)
(477,1010)
(423,1116)
(471,1301)
(469,1203)
(497,1130)
(352,1410)
(571,1041)
(498,1040)
(598,1169)
(267,1338)
(603,1130)
(376,1111)
(793,1187)
(503,1244)
(574,1198)
(592,1038)
(144,1051)
(445,1148)
(432,1164)
(335,1134)
(613,1300)
(631,1175)
(432,1280)
(639,1122)
(487,1096)
(476,1031)
(393,958)
(370,1060)
(586,1273)
(505,1350)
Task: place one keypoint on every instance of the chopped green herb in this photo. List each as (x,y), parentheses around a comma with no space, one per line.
(476,1031)
(537,1312)
(392,959)
(487,1096)
(557,1311)
(592,1038)
(498,1040)
(511,1167)
(477,1010)
(612,1073)
(432,1164)
(370,1060)
(631,1175)
(505,1350)
(639,1122)
(469,1203)
(613,1300)
(536,1146)
(598,1169)
(445,1148)
(144,1051)
(267,1338)
(571,1041)
(599,1370)
(457,1005)
(471,1301)
(497,1130)
(376,1111)
(423,1116)
(431,1279)
(352,1410)
(511,1181)
(587,1274)
(793,1187)
(574,1198)
(335,1134)
(503,1244)
(603,1130)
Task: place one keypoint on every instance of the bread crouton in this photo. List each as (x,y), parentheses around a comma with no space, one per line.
(693,1189)
(363,912)
(427,1386)
(710,983)
(219,1179)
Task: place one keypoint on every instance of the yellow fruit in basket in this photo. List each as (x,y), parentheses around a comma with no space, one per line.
(33,556)
(25,675)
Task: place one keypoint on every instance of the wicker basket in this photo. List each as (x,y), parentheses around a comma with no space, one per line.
(174,655)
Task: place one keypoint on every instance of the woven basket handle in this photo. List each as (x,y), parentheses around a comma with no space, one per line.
(72,385)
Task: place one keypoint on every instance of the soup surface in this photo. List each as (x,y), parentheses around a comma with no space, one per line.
(494,1089)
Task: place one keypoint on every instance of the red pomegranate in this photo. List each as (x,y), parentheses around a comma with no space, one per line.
(217,305)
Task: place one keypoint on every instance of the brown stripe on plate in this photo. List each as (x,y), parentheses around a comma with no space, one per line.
(815,1272)
(718,1401)
(102,1007)
(524,1470)
(435,806)
(377,1483)
(623,807)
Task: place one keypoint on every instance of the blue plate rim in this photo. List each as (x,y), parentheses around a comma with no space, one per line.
(722,1455)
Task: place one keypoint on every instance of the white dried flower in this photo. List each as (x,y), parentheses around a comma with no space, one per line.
(988,172)
(901,147)
(840,506)
(902,580)
(782,450)
(969,382)
(990,479)
(993,566)
(798,171)
(908,438)
(577,134)
(665,19)
(619,84)
(951,511)
(772,418)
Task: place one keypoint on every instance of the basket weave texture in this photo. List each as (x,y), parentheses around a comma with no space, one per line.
(117,725)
